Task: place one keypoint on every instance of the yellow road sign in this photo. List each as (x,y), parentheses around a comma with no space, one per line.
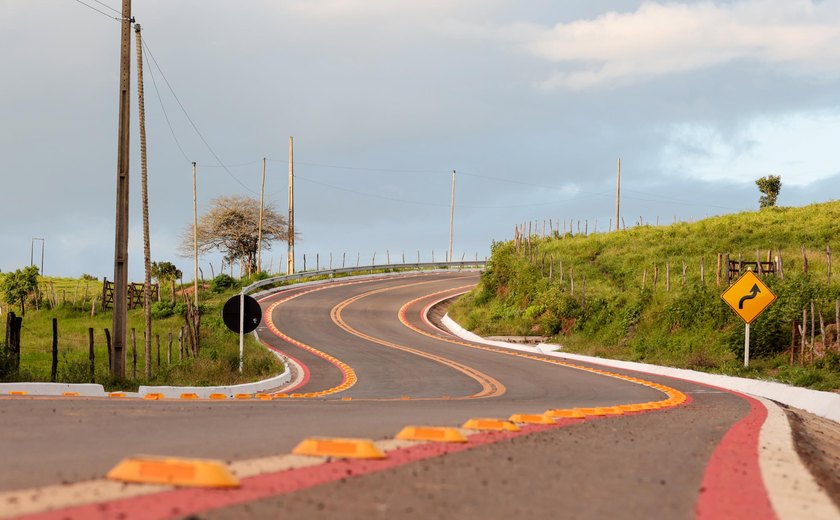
(748,297)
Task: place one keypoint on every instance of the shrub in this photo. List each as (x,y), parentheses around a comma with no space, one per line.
(162,309)
(221,283)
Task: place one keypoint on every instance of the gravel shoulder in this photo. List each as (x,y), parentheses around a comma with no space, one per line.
(817,442)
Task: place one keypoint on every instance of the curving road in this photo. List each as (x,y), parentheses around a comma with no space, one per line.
(372,363)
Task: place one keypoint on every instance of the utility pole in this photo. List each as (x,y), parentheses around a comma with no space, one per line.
(290,266)
(618,195)
(32,254)
(195,239)
(451,216)
(144,186)
(259,231)
(121,232)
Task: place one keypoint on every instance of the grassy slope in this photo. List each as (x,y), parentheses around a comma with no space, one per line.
(689,326)
(217,365)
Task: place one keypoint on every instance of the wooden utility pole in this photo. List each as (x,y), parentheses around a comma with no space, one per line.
(290,266)
(195,238)
(451,216)
(259,230)
(121,228)
(144,186)
(618,194)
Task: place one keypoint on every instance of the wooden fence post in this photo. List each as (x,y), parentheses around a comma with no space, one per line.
(780,267)
(813,328)
(702,271)
(181,344)
(169,351)
(683,272)
(54,368)
(828,262)
(717,275)
(644,278)
(133,354)
(655,276)
(108,344)
(804,260)
(91,356)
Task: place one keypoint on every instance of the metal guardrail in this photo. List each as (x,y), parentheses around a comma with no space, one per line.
(349,270)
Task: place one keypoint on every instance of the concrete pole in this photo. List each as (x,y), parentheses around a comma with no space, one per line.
(120,317)
(290,268)
(618,195)
(144,187)
(195,238)
(259,231)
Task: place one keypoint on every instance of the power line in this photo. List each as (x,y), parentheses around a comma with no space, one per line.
(192,123)
(103,4)
(163,108)
(103,13)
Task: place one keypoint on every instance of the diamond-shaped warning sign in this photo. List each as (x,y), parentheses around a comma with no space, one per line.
(748,297)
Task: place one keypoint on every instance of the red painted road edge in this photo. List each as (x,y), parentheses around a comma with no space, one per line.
(732,484)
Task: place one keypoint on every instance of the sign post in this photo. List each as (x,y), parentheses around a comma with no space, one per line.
(748,297)
(242,314)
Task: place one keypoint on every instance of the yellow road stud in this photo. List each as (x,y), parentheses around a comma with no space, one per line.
(176,472)
(189,395)
(281,395)
(491,425)
(218,397)
(567,413)
(346,398)
(296,395)
(630,407)
(243,396)
(531,418)
(597,411)
(153,396)
(339,447)
(612,410)
(116,394)
(431,433)
(70,394)
(18,392)
(264,397)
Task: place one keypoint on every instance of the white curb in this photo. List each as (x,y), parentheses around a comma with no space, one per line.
(824,404)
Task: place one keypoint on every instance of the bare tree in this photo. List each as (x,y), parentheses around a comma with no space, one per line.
(232,225)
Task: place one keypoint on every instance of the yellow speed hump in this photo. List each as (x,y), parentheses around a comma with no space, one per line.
(748,297)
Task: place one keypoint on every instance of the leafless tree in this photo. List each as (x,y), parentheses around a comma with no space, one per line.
(232,225)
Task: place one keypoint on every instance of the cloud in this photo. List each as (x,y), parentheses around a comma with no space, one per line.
(660,39)
(793,145)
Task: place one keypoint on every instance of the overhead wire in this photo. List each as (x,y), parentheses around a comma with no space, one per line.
(100,11)
(192,123)
(163,109)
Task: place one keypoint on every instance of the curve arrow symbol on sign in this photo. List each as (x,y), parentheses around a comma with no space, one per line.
(753,293)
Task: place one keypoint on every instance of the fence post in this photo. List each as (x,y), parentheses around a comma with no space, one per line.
(804,260)
(133,354)
(54,368)
(169,352)
(92,356)
(108,343)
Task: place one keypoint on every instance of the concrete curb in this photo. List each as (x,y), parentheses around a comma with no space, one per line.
(824,404)
(84,390)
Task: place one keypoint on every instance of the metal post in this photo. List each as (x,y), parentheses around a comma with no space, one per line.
(747,345)
(120,318)
(451,216)
(241,328)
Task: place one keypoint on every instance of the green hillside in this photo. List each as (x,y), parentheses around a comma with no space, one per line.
(604,303)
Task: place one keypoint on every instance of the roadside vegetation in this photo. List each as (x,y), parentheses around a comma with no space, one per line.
(69,301)
(637,294)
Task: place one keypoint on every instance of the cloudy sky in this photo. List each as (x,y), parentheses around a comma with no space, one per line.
(531,101)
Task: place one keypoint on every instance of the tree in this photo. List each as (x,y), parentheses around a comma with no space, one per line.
(770,186)
(17,285)
(166,272)
(232,225)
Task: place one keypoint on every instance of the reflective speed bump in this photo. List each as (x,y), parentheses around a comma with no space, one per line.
(341,448)
(491,425)
(565,413)
(431,433)
(531,418)
(177,472)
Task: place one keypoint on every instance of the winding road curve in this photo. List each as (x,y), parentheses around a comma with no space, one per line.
(373,363)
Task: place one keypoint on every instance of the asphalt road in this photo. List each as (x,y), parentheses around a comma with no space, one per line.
(638,466)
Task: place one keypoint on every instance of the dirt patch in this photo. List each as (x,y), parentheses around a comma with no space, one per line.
(817,441)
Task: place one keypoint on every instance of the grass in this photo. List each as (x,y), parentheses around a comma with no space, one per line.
(616,312)
(217,363)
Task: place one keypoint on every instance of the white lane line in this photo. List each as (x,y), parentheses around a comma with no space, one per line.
(793,491)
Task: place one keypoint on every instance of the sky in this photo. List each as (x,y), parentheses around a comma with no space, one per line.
(531,102)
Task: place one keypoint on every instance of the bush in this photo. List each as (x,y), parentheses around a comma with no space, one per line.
(222,283)
(162,309)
